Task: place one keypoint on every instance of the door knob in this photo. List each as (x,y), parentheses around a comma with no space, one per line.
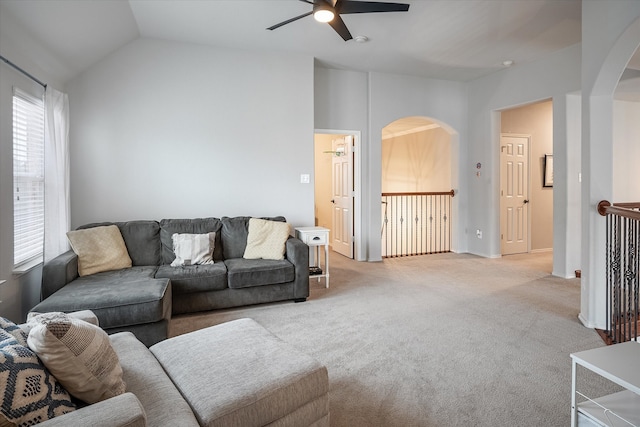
(526,201)
(333,201)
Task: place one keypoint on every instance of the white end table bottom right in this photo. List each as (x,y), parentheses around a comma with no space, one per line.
(619,363)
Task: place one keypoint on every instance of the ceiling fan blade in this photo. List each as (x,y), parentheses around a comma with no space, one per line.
(289,21)
(338,24)
(350,6)
(331,3)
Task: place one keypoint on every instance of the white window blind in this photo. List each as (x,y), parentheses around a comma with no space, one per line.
(28,178)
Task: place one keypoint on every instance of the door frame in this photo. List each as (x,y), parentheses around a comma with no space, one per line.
(501,219)
(358,248)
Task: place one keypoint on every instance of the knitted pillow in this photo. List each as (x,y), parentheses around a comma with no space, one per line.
(29,394)
(266,239)
(86,315)
(99,249)
(79,354)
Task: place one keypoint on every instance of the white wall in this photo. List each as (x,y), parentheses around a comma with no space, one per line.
(341,99)
(171,130)
(571,259)
(626,151)
(550,78)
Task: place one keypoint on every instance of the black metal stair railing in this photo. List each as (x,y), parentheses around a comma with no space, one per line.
(623,270)
(416,223)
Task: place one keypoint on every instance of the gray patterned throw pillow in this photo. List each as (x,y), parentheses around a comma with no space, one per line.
(29,394)
(15,330)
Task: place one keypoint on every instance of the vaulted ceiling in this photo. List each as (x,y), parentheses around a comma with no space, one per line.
(446,39)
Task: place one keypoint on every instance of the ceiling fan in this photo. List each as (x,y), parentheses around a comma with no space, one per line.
(329,11)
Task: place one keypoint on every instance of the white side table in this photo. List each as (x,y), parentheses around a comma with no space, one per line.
(315,237)
(620,364)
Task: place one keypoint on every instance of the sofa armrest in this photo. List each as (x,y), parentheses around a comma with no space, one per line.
(124,410)
(58,272)
(297,252)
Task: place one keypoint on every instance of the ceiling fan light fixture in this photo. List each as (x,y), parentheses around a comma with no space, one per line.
(323,13)
(331,11)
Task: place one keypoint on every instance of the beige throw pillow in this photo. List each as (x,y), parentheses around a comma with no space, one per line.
(86,315)
(78,354)
(193,249)
(99,249)
(266,239)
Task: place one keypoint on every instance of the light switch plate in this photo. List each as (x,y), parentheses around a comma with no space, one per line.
(305,178)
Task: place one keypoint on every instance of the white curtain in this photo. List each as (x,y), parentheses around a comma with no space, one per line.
(56,169)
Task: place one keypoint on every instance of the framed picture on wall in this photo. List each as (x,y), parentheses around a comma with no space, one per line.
(548,171)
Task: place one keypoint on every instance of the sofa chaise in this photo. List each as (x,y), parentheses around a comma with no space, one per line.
(142,298)
(233,374)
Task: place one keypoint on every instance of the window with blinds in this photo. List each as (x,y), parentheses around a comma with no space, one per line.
(28,178)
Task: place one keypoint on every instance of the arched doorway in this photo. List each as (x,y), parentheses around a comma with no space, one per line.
(416,187)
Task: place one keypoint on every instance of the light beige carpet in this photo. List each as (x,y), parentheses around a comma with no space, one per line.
(437,340)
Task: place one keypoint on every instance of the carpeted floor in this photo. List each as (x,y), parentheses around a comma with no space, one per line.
(437,340)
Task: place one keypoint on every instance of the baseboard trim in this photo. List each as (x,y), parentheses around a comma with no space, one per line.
(585,322)
(485,255)
(540,251)
(563,276)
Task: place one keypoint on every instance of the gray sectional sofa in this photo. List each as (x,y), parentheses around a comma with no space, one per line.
(141,299)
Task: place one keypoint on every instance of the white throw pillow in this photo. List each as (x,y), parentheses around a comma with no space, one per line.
(99,249)
(78,354)
(193,249)
(266,239)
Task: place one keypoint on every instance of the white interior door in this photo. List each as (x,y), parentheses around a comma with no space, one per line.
(342,195)
(514,194)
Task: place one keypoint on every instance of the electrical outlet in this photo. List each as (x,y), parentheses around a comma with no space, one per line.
(479,233)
